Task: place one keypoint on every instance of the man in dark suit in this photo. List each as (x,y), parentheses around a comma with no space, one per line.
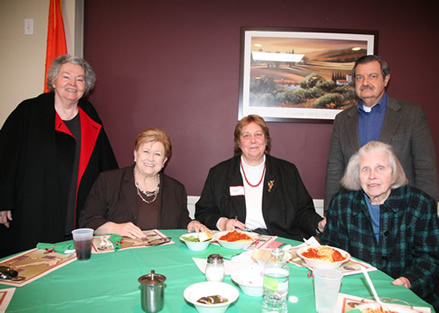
(378,117)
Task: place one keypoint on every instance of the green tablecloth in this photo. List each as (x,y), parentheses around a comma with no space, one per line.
(108,283)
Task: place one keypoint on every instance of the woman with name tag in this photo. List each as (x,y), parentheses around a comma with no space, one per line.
(256,191)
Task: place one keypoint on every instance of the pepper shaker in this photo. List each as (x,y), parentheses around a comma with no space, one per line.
(215,270)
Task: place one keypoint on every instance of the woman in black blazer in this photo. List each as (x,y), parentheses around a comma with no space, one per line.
(256,191)
(139,197)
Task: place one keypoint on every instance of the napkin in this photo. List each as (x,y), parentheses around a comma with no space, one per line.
(226,253)
(238,262)
(116,240)
(65,247)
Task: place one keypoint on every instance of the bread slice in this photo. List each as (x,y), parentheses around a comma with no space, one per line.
(204,236)
(261,255)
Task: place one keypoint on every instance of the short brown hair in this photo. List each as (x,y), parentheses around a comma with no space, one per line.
(246,121)
(154,135)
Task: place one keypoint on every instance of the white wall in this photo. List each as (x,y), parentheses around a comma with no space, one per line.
(23,57)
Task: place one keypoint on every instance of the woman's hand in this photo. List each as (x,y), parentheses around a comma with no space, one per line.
(230,224)
(321,225)
(197,227)
(402,281)
(124,229)
(5,217)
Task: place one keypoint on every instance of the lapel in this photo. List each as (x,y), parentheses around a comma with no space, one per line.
(351,128)
(233,179)
(129,191)
(392,119)
(271,184)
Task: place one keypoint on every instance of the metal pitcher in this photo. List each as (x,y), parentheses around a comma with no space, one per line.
(152,292)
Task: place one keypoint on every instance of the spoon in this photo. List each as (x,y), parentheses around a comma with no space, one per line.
(378,300)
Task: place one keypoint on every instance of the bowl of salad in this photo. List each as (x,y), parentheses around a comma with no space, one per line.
(197,241)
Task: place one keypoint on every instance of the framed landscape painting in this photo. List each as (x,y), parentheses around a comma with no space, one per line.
(293,74)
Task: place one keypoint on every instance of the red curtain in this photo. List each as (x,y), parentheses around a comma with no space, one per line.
(56,38)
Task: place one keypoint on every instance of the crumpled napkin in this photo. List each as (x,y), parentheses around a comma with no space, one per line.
(116,240)
(211,249)
(238,262)
(65,247)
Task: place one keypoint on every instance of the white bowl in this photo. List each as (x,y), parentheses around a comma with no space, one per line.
(195,245)
(235,245)
(315,263)
(250,280)
(398,308)
(210,288)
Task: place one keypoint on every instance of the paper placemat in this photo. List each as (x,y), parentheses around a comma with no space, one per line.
(347,303)
(5,298)
(349,268)
(102,244)
(34,264)
(263,242)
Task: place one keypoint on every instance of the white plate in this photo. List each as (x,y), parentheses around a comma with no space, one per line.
(235,245)
(209,288)
(315,263)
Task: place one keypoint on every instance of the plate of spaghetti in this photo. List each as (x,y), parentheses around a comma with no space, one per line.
(323,256)
(234,239)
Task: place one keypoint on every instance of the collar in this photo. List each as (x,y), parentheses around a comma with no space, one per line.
(379,107)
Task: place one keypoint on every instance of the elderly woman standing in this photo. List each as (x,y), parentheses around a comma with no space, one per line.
(385,222)
(139,197)
(52,148)
(256,191)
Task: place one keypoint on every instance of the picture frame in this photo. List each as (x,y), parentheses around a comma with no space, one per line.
(298,74)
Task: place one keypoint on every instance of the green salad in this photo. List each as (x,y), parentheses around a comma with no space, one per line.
(192,238)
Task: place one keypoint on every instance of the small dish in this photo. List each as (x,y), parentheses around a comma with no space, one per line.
(250,280)
(240,244)
(190,239)
(208,288)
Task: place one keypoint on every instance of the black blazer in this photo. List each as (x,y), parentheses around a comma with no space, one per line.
(113,198)
(287,207)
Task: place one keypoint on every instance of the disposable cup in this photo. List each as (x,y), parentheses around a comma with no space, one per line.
(82,238)
(326,287)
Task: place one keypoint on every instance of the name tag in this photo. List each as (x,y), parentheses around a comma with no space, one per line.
(236,191)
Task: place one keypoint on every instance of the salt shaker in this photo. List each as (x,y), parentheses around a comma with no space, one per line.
(215,270)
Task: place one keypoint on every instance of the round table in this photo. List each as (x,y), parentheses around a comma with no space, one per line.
(108,283)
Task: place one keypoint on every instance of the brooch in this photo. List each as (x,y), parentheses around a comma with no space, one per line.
(270,185)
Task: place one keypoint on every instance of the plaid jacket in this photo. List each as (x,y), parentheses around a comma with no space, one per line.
(409,235)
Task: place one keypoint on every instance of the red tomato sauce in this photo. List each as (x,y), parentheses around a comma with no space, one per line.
(235,236)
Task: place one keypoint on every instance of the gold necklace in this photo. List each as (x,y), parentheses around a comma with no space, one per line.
(147,194)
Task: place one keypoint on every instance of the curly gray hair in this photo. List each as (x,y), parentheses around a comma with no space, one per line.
(55,66)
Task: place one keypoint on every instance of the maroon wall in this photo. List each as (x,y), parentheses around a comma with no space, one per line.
(175,65)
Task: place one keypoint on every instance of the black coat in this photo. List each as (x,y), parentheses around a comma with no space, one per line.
(36,162)
(287,207)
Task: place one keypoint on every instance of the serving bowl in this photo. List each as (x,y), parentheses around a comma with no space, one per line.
(250,280)
(208,288)
(315,263)
(194,245)
(238,244)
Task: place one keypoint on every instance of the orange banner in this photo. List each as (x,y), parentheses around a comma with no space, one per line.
(56,38)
